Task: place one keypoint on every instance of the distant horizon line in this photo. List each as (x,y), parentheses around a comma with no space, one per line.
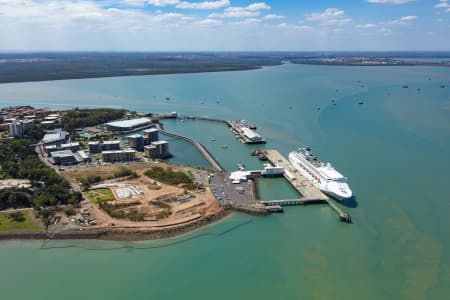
(220,51)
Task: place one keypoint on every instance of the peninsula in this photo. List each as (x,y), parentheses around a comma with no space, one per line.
(103,173)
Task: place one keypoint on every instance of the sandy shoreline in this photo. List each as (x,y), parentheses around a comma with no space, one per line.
(117,234)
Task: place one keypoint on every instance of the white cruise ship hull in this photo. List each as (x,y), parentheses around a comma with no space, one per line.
(335,189)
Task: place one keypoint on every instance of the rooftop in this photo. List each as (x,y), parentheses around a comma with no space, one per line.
(135,136)
(57,135)
(119,151)
(151,130)
(111,142)
(129,123)
(62,153)
(250,133)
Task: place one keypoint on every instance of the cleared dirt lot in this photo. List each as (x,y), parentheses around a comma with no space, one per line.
(158,205)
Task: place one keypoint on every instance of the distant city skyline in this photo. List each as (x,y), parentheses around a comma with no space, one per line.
(224,25)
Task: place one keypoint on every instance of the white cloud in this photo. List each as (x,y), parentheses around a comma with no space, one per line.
(367,26)
(251,21)
(235,12)
(385,31)
(139,3)
(273,17)
(250,11)
(163,2)
(210,22)
(203,5)
(258,6)
(189,5)
(295,27)
(406,20)
(330,16)
(390,1)
(443,4)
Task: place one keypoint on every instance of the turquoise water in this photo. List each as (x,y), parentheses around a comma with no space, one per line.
(395,150)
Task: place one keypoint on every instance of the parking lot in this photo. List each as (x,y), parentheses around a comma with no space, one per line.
(232,194)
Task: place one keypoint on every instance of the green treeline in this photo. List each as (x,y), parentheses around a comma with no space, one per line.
(53,66)
(87,181)
(80,118)
(19,160)
(169,176)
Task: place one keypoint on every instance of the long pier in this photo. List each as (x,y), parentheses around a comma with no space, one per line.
(310,193)
(202,149)
(236,127)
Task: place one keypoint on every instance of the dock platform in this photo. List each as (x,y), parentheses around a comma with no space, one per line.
(302,184)
(310,193)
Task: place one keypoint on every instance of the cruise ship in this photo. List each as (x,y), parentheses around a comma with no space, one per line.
(322,175)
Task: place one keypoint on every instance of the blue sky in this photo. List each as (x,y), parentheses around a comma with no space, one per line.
(223,25)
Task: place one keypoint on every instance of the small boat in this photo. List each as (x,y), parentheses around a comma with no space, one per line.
(419,89)
(241,166)
(262,156)
(224,146)
(167,98)
(360,102)
(213,140)
(255,153)
(405,86)
(442,86)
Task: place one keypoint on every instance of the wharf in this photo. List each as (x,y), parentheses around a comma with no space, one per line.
(237,127)
(310,193)
(302,184)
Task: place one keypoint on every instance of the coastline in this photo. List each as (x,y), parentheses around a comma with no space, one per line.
(117,233)
(98,76)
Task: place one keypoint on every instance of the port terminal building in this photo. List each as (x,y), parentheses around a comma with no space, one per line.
(125,125)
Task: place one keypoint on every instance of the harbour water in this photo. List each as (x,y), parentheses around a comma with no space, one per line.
(394,148)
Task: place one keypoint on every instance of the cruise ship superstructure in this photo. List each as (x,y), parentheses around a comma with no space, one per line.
(322,175)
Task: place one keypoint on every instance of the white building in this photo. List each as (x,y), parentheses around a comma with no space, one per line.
(250,134)
(127,124)
(16,129)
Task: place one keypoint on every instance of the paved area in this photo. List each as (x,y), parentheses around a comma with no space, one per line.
(232,194)
(302,184)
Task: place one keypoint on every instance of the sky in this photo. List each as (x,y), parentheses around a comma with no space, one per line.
(224,25)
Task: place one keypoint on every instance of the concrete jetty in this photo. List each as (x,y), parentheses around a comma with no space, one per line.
(310,193)
(302,184)
(245,131)
(202,149)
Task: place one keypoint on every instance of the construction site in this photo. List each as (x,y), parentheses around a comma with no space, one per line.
(139,202)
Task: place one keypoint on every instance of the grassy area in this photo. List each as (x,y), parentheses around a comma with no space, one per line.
(99,195)
(105,172)
(29,223)
(168,175)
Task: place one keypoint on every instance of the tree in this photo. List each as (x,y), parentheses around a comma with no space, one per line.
(69,210)
(17,216)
